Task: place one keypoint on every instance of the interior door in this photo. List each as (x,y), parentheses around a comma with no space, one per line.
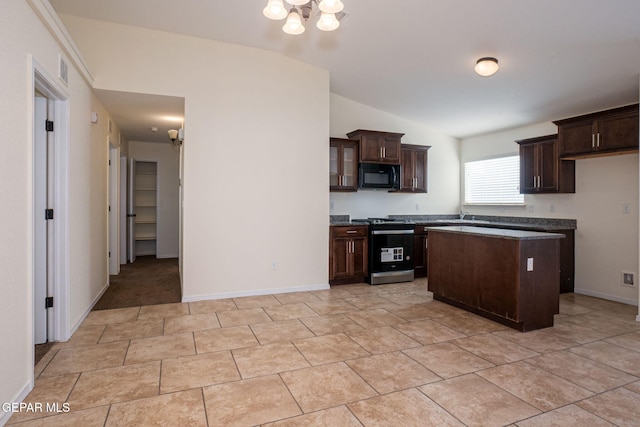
(40,223)
(131,211)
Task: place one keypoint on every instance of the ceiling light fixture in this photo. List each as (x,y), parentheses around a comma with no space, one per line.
(330,14)
(486,66)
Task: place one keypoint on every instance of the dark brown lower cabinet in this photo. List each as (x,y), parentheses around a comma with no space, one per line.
(420,251)
(348,258)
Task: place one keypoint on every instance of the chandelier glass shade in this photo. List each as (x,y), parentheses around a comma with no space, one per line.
(300,12)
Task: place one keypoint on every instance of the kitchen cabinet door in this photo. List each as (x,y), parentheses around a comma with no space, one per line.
(542,170)
(343,165)
(413,168)
(348,254)
(420,251)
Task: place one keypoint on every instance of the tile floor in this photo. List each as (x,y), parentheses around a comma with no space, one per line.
(351,356)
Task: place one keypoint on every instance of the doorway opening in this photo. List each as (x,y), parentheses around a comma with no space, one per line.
(149,192)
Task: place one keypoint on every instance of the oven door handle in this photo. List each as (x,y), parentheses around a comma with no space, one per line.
(392,231)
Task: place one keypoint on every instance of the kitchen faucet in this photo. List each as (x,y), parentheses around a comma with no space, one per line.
(462,214)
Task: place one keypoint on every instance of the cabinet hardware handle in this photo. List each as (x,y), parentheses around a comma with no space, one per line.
(426,243)
(539,182)
(425,228)
(593,141)
(384,151)
(598,140)
(351,231)
(534,181)
(381,155)
(353,247)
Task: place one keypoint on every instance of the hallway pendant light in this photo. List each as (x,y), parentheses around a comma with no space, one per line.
(275,10)
(487,66)
(328,22)
(293,25)
(330,16)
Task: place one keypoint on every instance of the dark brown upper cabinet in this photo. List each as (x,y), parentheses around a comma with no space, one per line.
(378,147)
(599,134)
(542,170)
(413,168)
(343,165)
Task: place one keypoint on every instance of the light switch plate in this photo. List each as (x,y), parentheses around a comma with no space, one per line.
(529,264)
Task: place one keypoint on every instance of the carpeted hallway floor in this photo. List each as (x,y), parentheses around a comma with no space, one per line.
(147,281)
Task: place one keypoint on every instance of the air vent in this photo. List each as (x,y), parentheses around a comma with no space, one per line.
(63,70)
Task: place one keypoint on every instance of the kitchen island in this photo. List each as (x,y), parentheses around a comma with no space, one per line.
(509,276)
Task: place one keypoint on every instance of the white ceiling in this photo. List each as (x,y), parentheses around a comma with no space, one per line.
(415,58)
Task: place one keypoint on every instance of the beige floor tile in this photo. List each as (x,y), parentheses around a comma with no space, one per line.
(184,408)
(477,402)
(129,330)
(383,340)
(224,339)
(362,289)
(375,317)
(79,359)
(117,315)
(338,416)
(576,333)
(183,373)
(605,323)
(268,359)
(156,348)
(541,341)
(610,354)
(112,385)
(212,306)
(581,371)
(322,387)
(413,312)
(85,335)
(428,331)
(572,308)
(620,407)
(289,311)
(159,311)
(409,297)
(535,386)
(287,330)
(494,349)
(249,402)
(371,301)
(331,324)
(53,390)
(245,316)
(93,417)
(634,387)
(570,415)
(392,372)
(630,341)
(329,348)
(189,323)
(470,324)
(296,297)
(44,362)
(447,360)
(332,306)
(336,292)
(404,408)
(256,301)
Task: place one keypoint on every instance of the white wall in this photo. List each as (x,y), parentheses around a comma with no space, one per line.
(606,240)
(255,185)
(167,157)
(22,37)
(443,171)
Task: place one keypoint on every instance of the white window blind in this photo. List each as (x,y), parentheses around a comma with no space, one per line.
(493,181)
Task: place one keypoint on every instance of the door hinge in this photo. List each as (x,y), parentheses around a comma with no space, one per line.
(48,214)
(48,302)
(48,125)
(109,208)
(109,254)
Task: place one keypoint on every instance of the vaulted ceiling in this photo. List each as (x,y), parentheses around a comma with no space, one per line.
(415,58)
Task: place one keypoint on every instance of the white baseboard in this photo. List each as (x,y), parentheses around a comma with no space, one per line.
(606,296)
(4,416)
(256,292)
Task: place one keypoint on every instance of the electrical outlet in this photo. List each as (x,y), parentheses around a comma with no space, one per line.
(529,264)
(628,279)
(626,210)
(552,208)
(274,265)
(417,206)
(530,208)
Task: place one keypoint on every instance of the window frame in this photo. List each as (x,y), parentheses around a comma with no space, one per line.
(517,203)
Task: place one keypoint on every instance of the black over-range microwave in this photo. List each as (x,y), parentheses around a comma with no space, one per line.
(374,175)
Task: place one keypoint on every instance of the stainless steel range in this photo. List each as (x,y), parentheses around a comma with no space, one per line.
(390,250)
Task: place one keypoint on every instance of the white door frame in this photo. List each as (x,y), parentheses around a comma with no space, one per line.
(58,316)
(114,211)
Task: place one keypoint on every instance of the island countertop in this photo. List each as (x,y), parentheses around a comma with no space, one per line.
(502,233)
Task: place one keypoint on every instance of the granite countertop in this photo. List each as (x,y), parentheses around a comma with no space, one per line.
(497,232)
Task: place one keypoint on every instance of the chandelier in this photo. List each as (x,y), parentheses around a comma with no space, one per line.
(301,10)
